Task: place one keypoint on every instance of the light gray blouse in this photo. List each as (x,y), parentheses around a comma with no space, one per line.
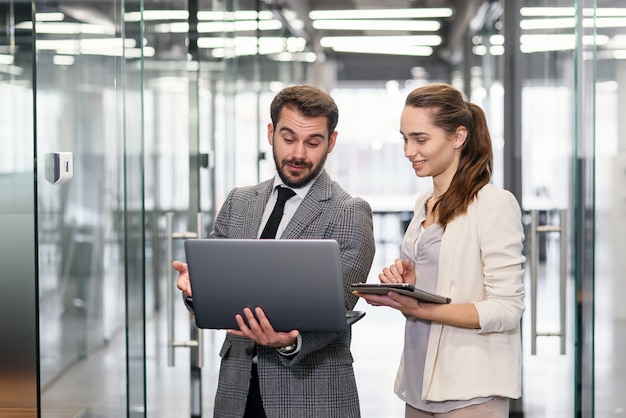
(409,380)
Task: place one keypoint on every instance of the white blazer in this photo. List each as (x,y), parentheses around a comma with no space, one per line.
(480,262)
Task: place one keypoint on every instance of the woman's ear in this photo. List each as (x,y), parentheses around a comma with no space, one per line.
(459,137)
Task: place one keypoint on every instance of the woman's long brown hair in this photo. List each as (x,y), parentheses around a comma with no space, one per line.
(450,110)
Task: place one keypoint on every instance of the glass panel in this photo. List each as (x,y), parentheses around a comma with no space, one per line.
(607,145)
(548,146)
(84,234)
(131,110)
(584,208)
(18,312)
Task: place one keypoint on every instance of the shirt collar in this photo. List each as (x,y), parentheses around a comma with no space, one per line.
(300,192)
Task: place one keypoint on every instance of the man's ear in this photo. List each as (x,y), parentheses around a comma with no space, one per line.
(270,133)
(331,141)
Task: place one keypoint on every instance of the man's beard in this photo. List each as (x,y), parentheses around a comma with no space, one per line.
(304,180)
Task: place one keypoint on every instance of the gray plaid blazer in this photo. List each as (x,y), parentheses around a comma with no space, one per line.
(319,380)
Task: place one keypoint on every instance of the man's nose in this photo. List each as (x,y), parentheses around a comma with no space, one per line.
(299,150)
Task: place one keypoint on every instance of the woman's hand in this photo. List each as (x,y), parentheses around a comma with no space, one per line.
(408,305)
(401,271)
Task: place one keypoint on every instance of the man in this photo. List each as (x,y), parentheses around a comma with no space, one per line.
(293,374)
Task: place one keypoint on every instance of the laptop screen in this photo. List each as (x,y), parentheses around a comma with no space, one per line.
(298,283)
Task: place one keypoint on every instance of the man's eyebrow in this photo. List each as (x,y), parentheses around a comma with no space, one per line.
(289,130)
(292,132)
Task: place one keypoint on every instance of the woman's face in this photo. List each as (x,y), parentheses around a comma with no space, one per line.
(432,151)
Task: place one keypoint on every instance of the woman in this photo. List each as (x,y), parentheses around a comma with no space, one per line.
(461,359)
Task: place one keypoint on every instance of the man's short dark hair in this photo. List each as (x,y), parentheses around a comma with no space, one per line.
(307,100)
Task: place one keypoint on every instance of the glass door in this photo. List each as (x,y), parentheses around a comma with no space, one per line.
(89,209)
(562,157)
(567,71)
(603,114)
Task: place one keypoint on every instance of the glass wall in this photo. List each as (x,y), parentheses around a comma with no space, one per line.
(91,264)
(18,250)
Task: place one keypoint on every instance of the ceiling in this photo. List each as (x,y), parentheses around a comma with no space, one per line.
(348,66)
(365,66)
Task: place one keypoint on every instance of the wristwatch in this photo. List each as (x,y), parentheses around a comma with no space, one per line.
(288,349)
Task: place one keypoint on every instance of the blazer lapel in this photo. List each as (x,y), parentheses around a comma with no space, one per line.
(255,207)
(311,208)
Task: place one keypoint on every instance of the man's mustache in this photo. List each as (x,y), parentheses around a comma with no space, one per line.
(297,163)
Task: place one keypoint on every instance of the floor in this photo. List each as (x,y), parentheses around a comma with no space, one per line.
(96,386)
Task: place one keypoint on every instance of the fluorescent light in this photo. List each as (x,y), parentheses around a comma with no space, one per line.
(63,60)
(562,42)
(479,50)
(617,42)
(542,43)
(570,22)
(386,41)
(605,22)
(547,11)
(417,45)
(296,56)
(410,50)
(382,13)
(620,54)
(496,39)
(156,15)
(606,12)
(13,70)
(79,46)
(496,50)
(176,27)
(217,16)
(238,26)
(237,15)
(219,27)
(6,59)
(571,11)
(553,23)
(403,25)
(247,45)
(49,17)
(67,28)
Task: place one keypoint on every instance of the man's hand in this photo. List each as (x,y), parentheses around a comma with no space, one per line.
(183,282)
(258,328)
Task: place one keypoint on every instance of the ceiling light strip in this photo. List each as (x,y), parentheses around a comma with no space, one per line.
(396,25)
(439,13)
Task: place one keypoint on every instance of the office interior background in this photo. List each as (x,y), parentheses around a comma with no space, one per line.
(163,105)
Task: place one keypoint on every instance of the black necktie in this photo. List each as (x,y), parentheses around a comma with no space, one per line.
(284,194)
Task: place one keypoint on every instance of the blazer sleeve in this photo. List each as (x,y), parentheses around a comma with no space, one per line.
(501,237)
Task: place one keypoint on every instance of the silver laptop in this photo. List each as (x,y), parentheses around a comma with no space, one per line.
(298,283)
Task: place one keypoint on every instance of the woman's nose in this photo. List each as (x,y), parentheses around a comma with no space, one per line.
(409,151)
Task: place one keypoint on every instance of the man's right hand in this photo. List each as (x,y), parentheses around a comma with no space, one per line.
(183,282)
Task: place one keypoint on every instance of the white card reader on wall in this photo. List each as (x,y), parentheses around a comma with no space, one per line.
(59,167)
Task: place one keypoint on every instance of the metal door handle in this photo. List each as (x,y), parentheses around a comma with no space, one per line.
(536,229)
(198,342)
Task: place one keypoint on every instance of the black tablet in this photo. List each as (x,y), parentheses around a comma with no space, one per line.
(402,288)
